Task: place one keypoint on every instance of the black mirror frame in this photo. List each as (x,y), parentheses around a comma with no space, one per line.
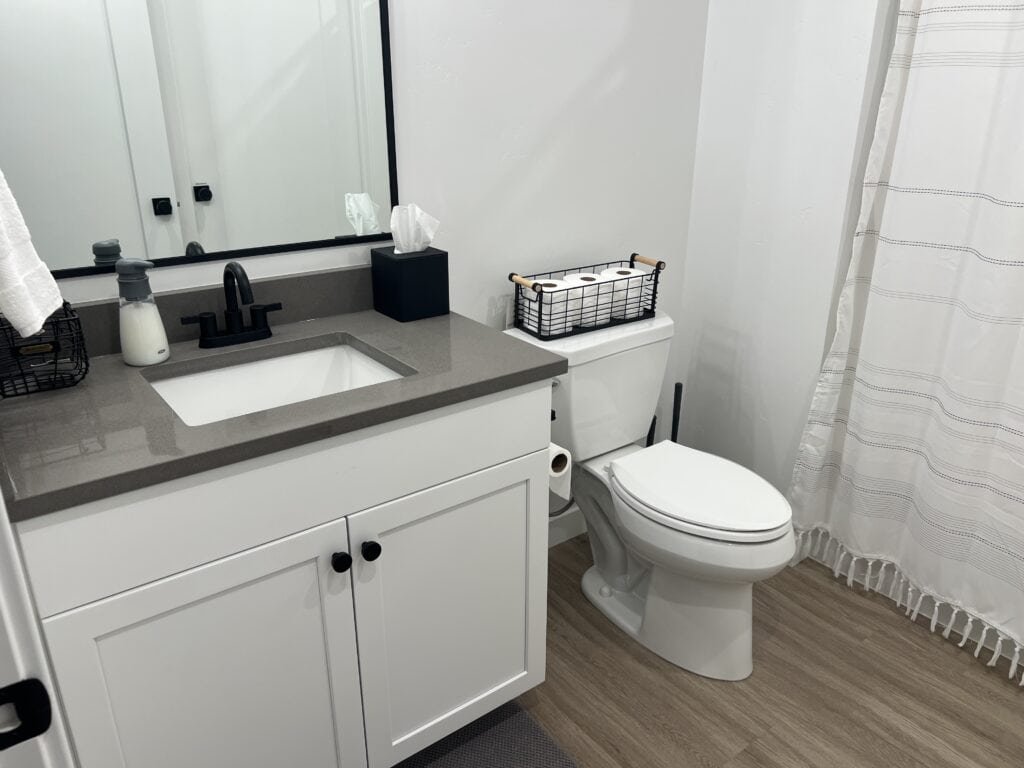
(389,109)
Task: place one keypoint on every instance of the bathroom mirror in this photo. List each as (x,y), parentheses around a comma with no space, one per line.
(243,127)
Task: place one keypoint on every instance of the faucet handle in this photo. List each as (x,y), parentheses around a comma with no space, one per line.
(207,322)
(258,313)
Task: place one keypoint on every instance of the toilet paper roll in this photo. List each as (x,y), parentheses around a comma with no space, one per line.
(627,297)
(551,315)
(559,471)
(590,304)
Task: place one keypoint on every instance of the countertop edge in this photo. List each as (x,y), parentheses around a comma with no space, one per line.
(20,510)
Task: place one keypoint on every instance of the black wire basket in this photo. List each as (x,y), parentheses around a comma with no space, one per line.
(547,311)
(53,358)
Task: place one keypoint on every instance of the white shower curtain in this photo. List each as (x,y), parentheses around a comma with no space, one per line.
(910,475)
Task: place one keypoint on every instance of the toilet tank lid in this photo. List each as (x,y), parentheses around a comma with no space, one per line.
(701,488)
(592,345)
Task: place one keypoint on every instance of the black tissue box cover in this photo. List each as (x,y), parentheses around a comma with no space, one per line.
(410,286)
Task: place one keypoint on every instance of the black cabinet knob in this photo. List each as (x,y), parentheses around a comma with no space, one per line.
(371,550)
(341,562)
(162,206)
(202,193)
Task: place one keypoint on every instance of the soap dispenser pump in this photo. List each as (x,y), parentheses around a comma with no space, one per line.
(143,338)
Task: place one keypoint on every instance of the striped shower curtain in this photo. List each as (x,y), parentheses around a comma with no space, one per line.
(910,474)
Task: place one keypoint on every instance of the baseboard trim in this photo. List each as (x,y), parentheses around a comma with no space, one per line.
(567,525)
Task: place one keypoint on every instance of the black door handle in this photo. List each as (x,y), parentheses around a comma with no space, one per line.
(341,562)
(202,193)
(371,550)
(32,706)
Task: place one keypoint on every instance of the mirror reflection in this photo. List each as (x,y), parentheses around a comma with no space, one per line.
(205,125)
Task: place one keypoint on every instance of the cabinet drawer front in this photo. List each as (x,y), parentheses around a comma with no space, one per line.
(247,661)
(451,614)
(125,541)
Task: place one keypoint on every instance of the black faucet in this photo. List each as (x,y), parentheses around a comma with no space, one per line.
(234,274)
(236,285)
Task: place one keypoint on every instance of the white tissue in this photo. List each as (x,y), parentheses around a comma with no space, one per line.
(559,471)
(412,228)
(590,304)
(28,292)
(627,299)
(551,315)
(362,213)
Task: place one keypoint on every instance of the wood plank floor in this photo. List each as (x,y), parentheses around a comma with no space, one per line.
(841,679)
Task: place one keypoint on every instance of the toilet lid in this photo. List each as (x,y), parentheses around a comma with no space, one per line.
(700,489)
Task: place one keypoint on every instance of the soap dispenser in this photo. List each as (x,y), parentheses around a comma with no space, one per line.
(143,338)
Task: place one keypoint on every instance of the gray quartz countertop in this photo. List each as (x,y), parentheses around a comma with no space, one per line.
(113,433)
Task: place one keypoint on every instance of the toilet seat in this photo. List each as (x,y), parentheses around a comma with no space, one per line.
(716,534)
(700,494)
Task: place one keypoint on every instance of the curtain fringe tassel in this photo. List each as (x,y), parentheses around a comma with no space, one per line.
(881,577)
(952,621)
(981,642)
(997,652)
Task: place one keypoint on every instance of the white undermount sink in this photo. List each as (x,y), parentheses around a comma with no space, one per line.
(223,393)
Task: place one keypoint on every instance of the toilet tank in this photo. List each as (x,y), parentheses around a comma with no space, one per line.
(607,398)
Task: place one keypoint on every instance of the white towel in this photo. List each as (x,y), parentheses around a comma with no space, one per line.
(28,292)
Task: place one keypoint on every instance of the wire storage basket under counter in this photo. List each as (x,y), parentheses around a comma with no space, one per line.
(51,359)
(566,302)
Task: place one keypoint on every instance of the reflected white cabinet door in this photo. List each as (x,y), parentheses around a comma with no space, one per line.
(83,142)
(248,661)
(451,615)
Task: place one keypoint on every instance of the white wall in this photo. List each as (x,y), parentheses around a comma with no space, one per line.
(546,135)
(782,106)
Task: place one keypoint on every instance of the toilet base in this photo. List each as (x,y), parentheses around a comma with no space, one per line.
(704,627)
(623,609)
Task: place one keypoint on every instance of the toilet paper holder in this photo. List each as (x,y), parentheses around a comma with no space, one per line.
(560,471)
(547,307)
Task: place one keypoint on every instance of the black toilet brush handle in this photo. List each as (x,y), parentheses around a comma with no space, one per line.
(677,403)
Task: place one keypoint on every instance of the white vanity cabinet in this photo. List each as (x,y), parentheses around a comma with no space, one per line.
(277,653)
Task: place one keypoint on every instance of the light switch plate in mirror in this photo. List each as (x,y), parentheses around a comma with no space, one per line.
(251,126)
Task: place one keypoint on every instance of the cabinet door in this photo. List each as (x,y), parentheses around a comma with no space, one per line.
(451,615)
(248,661)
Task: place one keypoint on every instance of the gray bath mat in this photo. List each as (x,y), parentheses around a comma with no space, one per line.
(506,738)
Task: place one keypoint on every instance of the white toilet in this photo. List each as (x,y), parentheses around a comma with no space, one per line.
(679,536)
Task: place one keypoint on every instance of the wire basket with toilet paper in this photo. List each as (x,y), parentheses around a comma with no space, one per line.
(552,305)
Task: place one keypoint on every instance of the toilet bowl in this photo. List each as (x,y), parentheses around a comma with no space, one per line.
(677,573)
(679,536)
